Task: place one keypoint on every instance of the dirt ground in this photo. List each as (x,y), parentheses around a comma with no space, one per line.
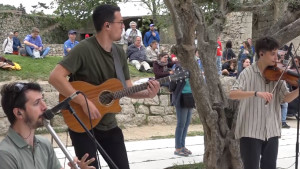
(136,133)
(133,133)
(148,132)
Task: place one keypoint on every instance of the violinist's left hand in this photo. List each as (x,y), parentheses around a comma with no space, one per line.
(265,95)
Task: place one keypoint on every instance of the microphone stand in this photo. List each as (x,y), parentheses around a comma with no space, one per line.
(298,113)
(99,147)
(60,144)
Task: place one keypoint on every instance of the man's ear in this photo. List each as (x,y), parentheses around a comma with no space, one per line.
(17,112)
(261,54)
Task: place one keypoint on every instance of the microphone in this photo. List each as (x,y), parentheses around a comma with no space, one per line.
(49,114)
(287,55)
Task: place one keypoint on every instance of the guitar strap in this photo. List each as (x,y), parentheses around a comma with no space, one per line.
(118,67)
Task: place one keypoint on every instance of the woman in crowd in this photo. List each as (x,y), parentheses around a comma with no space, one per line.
(228,53)
(161,67)
(184,103)
(245,63)
(229,68)
(245,52)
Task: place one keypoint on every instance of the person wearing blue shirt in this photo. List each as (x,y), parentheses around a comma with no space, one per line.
(70,43)
(150,36)
(16,43)
(34,41)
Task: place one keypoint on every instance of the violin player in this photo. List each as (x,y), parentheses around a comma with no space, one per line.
(258,124)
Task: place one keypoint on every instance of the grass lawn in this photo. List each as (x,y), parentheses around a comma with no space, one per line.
(39,69)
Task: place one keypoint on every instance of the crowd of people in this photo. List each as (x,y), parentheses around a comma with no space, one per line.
(98,58)
(32,43)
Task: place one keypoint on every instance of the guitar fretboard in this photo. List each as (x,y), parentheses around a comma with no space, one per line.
(134,89)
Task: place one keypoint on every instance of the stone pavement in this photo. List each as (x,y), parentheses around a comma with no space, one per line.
(158,154)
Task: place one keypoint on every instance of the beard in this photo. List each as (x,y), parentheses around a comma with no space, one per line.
(33,124)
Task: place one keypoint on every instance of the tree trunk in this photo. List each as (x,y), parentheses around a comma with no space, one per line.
(221,149)
(216,112)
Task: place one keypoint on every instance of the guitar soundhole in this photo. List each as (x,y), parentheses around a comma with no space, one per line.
(106,97)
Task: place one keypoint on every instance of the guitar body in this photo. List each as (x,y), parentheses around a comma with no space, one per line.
(93,93)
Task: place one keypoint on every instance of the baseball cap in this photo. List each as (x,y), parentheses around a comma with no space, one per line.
(151,25)
(72,32)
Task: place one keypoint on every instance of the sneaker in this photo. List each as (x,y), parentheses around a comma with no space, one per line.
(142,69)
(181,153)
(284,125)
(149,71)
(187,151)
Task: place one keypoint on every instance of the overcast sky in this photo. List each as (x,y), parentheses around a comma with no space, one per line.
(126,9)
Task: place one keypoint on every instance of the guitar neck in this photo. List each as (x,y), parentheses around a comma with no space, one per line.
(134,89)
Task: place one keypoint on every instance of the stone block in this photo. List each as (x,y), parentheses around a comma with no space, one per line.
(2,114)
(164,100)
(227,82)
(128,109)
(58,121)
(157,110)
(124,119)
(137,101)
(139,119)
(46,86)
(143,109)
(125,101)
(155,120)
(4,125)
(170,119)
(170,110)
(152,102)
(51,99)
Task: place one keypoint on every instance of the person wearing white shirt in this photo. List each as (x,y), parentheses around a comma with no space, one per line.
(7,45)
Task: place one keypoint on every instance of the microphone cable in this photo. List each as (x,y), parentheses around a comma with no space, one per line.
(92,128)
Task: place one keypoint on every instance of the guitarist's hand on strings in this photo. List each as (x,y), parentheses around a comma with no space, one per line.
(92,108)
(153,88)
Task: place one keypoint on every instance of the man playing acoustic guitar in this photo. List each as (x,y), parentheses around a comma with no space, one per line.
(92,61)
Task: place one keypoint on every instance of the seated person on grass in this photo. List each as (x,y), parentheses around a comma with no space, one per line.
(136,53)
(34,42)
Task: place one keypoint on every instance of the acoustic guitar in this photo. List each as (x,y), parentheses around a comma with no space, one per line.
(106,98)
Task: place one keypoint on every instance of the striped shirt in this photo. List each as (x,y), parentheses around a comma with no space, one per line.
(254,119)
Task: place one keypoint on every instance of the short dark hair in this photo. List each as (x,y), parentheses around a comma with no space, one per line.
(265,44)
(15,32)
(154,41)
(13,96)
(102,14)
(162,55)
(228,44)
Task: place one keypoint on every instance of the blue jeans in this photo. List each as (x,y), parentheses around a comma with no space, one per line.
(183,122)
(284,110)
(43,53)
(219,64)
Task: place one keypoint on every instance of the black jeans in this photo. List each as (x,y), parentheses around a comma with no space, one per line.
(252,149)
(112,141)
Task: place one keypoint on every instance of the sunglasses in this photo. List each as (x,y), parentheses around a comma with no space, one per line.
(18,88)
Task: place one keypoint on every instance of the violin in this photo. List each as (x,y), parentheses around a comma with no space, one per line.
(275,73)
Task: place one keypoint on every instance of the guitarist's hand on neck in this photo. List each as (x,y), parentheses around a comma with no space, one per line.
(152,90)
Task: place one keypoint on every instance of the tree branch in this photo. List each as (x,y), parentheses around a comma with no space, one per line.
(251,8)
(288,32)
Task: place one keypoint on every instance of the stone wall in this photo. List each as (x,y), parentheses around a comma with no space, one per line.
(135,112)
(50,30)
(237,28)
